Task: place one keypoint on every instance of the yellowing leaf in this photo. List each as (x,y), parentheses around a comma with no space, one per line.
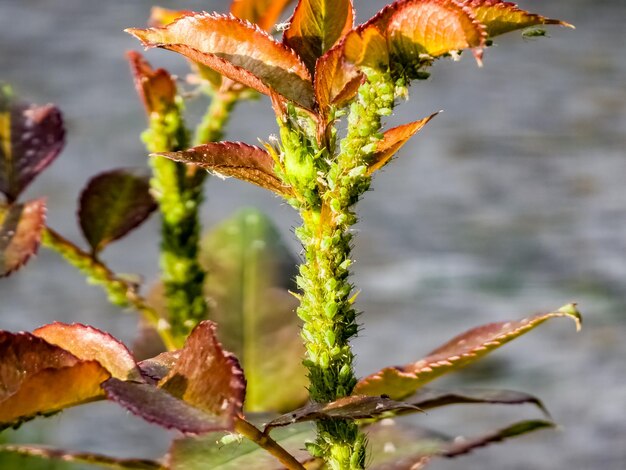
(156,88)
(88,343)
(366,46)
(237,50)
(316,26)
(245,162)
(37,378)
(392,141)
(467,348)
(21,226)
(433,28)
(265,13)
(501,17)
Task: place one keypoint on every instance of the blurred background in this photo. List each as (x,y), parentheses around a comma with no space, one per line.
(511,202)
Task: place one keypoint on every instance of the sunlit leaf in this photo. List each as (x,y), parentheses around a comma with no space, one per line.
(433,28)
(501,17)
(265,13)
(336,80)
(156,88)
(112,204)
(249,271)
(353,407)
(208,453)
(366,46)
(392,141)
(160,16)
(237,50)
(401,381)
(79,457)
(316,26)
(245,162)
(37,378)
(21,226)
(88,343)
(31,137)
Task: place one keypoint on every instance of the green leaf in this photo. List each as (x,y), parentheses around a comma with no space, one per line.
(316,26)
(209,453)
(79,457)
(112,204)
(501,17)
(237,50)
(38,378)
(249,271)
(21,226)
(31,137)
(245,162)
(467,348)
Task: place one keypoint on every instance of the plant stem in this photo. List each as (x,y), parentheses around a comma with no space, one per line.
(120,291)
(178,190)
(263,440)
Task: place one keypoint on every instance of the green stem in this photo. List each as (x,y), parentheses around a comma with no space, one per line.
(120,291)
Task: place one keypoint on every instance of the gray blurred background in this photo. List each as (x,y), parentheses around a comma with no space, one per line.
(510,202)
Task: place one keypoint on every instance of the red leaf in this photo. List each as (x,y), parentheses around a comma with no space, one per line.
(21,226)
(316,26)
(265,13)
(31,137)
(238,50)
(245,162)
(156,88)
(336,80)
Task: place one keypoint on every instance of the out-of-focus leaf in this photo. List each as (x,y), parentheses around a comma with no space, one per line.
(316,26)
(160,16)
(237,50)
(159,407)
(114,203)
(156,88)
(208,453)
(397,447)
(88,343)
(392,141)
(434,28)
(366,46)
(501,17)
(336,81)
(400,382)
(249,272)
(21,226)
(264,13)
(31,137)
(244,162)
(353,407)
(37,378)
(79,457)
(206,376)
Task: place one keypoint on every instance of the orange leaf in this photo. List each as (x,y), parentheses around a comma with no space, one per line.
(367,46)
(265,13)
(156,88)
(501,17)
(336,81)
(245,162)
(392,141)
(37,378)
(88,343)
(316,26)
(433,27)
(238,50)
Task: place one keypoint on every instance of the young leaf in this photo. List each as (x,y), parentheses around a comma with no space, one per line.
(79,457)
(249,273)
(336,81)
(21,226)
(245,162)
(366,46)
(159,366)
(392,141)
(316,26)
(112,204)
(264,13)
(467,348)
(88,343)
(353,407)
(31,137)
(501,17)
(433,28)
(38,378)
(238,50)
(156,88)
